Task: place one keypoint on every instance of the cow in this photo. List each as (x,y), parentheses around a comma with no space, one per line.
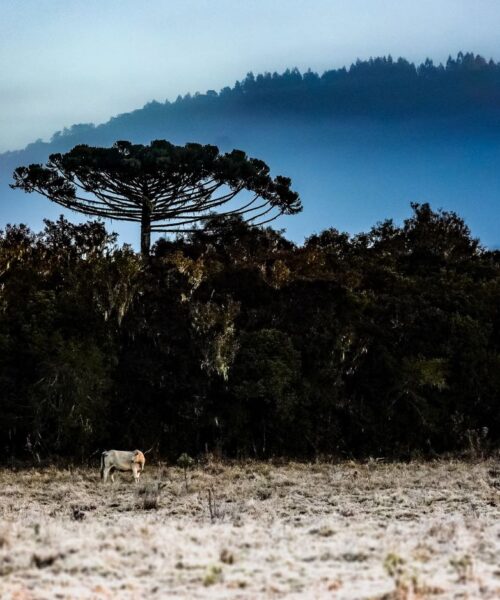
(121,460)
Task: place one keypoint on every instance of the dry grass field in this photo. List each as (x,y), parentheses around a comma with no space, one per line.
(253,530)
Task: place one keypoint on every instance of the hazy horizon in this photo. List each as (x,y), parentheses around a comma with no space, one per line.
(86,62)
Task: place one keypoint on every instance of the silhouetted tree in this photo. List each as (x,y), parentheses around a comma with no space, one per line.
(166,188)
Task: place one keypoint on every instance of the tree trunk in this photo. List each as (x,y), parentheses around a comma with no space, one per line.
(145,229)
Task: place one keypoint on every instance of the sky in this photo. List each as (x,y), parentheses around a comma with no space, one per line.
(77,61)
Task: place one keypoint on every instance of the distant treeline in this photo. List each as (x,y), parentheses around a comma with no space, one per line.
(378,87)
(239,342)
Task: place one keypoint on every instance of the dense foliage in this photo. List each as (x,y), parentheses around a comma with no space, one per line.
(234,340)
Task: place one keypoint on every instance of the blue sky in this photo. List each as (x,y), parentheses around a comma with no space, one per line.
(72,61)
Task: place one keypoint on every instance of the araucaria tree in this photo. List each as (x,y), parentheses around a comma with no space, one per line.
(166,188)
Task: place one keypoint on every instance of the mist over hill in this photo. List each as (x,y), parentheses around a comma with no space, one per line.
(359,143)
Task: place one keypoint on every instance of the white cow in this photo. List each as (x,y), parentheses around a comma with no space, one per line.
(121,460)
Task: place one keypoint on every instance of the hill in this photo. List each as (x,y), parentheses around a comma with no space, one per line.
(360,143)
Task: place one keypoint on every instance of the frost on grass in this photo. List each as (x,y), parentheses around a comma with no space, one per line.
(251,530)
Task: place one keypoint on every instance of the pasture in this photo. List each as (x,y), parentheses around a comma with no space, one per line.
(250,530)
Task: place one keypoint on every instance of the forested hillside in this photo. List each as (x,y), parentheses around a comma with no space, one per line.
(242,343)
(381,88)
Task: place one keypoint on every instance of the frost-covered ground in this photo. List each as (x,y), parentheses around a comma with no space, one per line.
(348,530)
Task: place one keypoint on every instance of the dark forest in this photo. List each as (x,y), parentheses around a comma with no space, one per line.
(235,341)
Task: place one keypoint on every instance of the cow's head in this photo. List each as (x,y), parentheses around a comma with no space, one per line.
(139,459)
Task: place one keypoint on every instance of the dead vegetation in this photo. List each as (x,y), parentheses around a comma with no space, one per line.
(248,530)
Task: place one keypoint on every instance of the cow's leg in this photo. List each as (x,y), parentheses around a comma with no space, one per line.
(112,475)
(136,472)
(105,473)
(103,464)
